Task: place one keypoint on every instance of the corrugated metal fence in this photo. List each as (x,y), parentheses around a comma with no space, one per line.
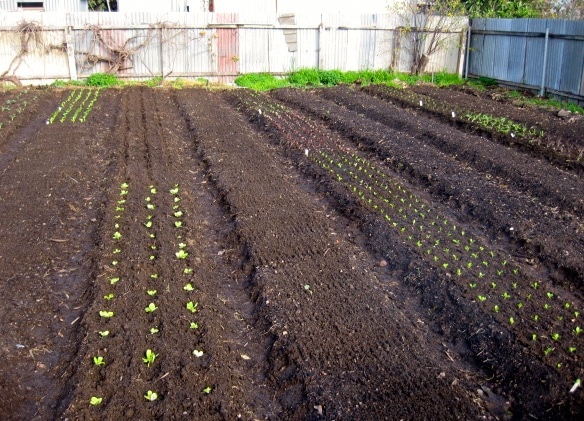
(41,47)
(518,52)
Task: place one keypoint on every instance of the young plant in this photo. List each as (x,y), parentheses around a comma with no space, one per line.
(207,390)
(194,325)
(149,357)
(181,254)
(192,307)
(197,353)
(151,396)
(151,292)
(95,400)
(108,296)
(188,287)
(153,330)
(103,333)
(151,308)
(106,314)
(98,361)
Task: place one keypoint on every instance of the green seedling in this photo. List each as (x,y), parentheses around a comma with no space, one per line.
(154,276)
(114,281)
(192,307)
(153,190)
(496,308)
(174,190)
(148,224)
(95,400)
(98,361)
(482,298)
(472,285)
(108,296)
(533,337)
(116,251)
(511,320)
(571,349)
(152,235)
(114,262)
(535,285)
(197,353)
(536,317)
(506,296)
(152,257)
(578,330)
(151,396)
(547,306)
(149,357)
(150,206)
(207,390)
(106,314)
(151,292)
(548,350)
(153,330)
(178,214)
(188,287)
(194,325)
(151,308)
(124,186)
(176,199)
(117,235)
(103,333)
(493,285)
(178,224)
(181,245)
(567,306)
(519,305)
(550,295)
(181,254)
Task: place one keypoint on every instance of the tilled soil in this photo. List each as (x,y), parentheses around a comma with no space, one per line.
(273,289)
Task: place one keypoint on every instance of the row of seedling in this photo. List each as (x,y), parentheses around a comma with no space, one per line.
(76,107)
(12,107)
(191,306)
(488,277)
(106,313)
(149,355)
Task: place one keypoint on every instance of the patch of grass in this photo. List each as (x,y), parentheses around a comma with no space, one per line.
(316,77)
(102,80)
(260,81)
(443,79)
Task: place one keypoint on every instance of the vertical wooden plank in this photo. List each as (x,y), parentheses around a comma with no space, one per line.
(227,48)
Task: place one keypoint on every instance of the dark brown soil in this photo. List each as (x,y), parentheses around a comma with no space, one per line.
(309,304)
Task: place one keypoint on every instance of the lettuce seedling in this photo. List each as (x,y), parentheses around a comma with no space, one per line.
(124,185)
(151,307)
(181,254)
(178,224)
(95,400)
(108,296)
(197,353)
(188,287)
(178,214)
(186,271)
(117,235)
(103,333)
(153,330)
(149,358)
(181,245)
(174,191)
(151,292)
(114,281)
(192,307)
(151,396)
(98,361)
(207,390)
(578,330)
(106,314)
(194,325)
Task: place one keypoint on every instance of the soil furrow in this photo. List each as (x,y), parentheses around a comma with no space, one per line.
(551,186)
(351,349)
(505,214)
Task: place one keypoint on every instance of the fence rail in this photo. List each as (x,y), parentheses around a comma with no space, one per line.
(539,54)
(217,46)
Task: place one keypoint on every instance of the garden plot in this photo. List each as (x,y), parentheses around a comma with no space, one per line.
(296,255)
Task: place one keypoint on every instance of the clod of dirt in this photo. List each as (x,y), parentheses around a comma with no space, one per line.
(382,263)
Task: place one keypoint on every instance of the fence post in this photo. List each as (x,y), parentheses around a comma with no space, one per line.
(69,41)
(545,54)
(467,61)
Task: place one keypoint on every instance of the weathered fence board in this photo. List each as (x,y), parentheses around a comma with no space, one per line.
(218,46)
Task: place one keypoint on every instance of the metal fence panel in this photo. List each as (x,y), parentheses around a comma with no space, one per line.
(512,51)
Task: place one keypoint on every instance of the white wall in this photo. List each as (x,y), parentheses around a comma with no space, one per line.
(152,6)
